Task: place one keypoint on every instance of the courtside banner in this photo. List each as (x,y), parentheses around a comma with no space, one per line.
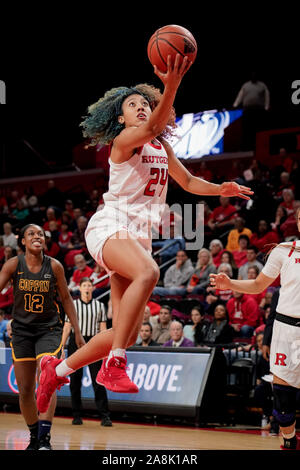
(164,377)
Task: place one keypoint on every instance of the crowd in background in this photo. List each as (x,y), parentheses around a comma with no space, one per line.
(237,236)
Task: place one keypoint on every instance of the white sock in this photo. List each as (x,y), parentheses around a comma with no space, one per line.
(62,370)
(289,436)
(116,352)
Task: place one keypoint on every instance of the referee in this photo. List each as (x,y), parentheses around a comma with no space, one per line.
(91,319)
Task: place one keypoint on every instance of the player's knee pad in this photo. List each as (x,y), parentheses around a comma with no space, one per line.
(284,405)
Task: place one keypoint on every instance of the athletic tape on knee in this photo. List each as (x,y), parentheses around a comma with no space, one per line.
(284,404)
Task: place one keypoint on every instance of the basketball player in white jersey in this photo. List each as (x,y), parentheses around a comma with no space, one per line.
(134,122)
(284,259)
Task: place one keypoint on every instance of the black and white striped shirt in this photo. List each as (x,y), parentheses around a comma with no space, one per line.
(89,316)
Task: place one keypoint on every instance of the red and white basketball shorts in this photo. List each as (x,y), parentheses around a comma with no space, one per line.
(285,353)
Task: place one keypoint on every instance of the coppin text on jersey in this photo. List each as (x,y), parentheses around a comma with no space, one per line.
(34,285)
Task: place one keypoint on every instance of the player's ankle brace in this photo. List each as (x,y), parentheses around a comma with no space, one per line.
(284,404)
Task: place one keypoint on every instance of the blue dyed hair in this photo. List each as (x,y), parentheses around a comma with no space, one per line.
(101,125)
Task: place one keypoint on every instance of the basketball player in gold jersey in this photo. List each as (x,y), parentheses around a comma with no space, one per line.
(36,325)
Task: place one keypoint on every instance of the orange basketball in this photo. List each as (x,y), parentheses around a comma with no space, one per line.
(171,40)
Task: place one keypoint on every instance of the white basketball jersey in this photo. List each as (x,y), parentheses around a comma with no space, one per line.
(138,187)
(286,262)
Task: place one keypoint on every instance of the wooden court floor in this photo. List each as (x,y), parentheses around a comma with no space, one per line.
(121,436)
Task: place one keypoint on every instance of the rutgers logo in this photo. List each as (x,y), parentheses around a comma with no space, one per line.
(280,358)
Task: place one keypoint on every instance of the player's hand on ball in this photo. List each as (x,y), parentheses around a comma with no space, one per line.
(175,71)
(219,281)
(232,189)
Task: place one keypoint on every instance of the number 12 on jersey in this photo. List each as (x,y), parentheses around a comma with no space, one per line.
(160,177)
(34,303)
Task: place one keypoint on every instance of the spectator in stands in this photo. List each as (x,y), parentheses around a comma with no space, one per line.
(81,270)
(9,238)
(227,257)
(240,255)
(9,252)
(280,217)
(234,234)
(254,97)
(170,252)
(69,208)
(289,202)
(253,272)
(199,325)
(216,249)
(178,339)
(51,249)
(53,229)
(67,219)
(216,295)
(176,276)
(64,237)
(288,229)
(12,201)
(243,314)
(52,197)
(219,331)
(8,334)
(77,213)
(161,330)
(252,252)
(78,238)
(146,335)
(222,217)
(147,319)
(31,199)
(3,324)
(285,183)
(263,236)
(203,213)
(266,301)
(7,299)
(199,280)
(20,212)
(100,286)
(51,216)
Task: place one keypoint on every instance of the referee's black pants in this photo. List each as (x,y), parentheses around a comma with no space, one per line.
(76,382)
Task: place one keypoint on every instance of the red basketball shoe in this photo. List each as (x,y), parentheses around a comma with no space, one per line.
(99,377)
(114,377)
(49,382)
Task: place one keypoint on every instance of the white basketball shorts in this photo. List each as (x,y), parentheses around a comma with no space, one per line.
(285,353)
(103,225)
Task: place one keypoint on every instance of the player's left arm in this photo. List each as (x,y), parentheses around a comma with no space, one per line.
(195,185)
(67,300)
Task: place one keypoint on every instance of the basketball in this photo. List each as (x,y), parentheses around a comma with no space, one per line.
(171,40)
